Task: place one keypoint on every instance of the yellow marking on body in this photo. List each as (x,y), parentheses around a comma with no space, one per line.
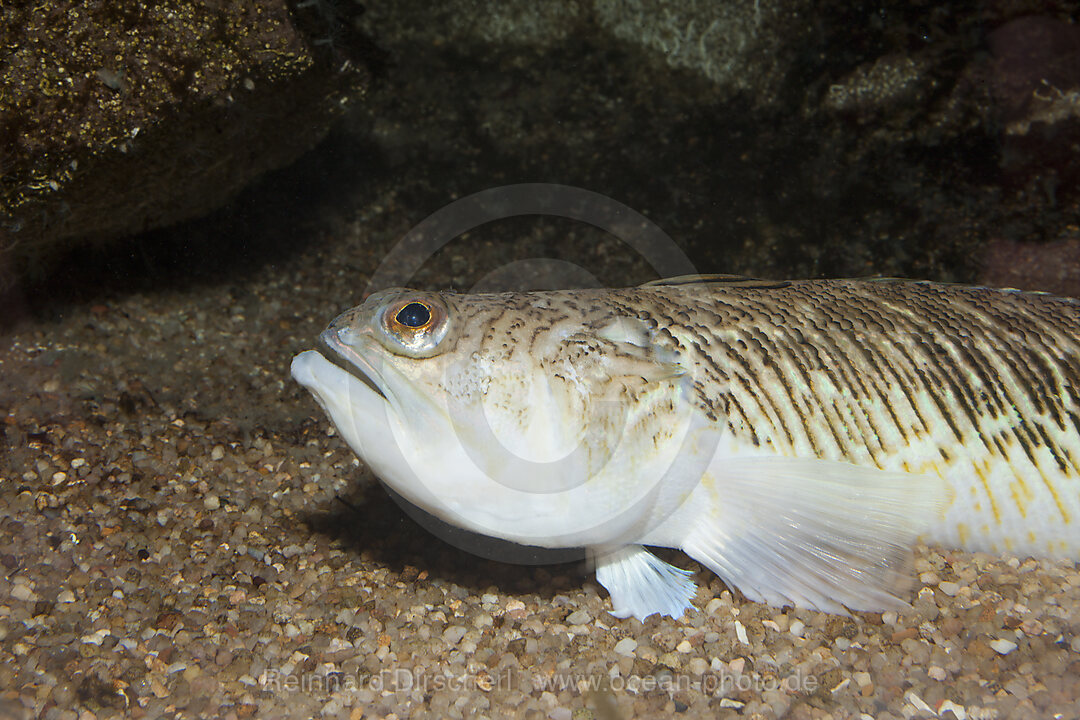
(963,532)
(1065,517)
(922,468)
(709,483)
(1014,490)
(1019,481)
(1031,537)
(1008,544)
(951,495)
(990,496)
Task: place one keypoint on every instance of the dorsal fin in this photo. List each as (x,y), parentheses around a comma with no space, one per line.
(719,279)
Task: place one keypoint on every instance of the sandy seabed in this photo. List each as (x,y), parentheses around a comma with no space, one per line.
(183,535)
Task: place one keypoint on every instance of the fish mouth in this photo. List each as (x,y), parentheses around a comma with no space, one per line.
(345,357)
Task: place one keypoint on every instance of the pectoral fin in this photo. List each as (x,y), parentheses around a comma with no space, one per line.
(813,533)
(626,354)
(642,584)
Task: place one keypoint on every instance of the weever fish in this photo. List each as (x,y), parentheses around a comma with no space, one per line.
(794,437)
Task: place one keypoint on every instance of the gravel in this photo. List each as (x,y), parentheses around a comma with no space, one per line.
(183,535)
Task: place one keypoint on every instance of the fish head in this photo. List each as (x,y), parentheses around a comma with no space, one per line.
(375,374)
(531,417)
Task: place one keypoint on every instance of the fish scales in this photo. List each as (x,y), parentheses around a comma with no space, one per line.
(883,382)
(863,386)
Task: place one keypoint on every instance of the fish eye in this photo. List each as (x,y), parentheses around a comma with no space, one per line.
(415,324)
(414,315)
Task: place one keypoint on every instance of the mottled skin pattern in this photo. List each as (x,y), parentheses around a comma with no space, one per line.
(976,385)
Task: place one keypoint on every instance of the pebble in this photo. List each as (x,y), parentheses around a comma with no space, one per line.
(957,711)
(22,592)
(949,588)
(626,646)
(697,666)
(1002,646)
(95,638)
(453,634)
(919,704)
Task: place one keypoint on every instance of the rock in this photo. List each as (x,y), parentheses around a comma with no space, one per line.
(723,43)
(1048,266)
(117,119)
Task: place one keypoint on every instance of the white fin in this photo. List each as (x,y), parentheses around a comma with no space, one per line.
(813,533)
(642,584)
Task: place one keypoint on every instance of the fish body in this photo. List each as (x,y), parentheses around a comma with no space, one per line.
(794,437)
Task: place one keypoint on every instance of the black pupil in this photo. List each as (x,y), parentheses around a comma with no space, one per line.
(414,315)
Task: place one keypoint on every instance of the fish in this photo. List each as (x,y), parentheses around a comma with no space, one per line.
(797,438)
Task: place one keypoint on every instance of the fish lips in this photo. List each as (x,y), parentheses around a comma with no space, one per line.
(345,356)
